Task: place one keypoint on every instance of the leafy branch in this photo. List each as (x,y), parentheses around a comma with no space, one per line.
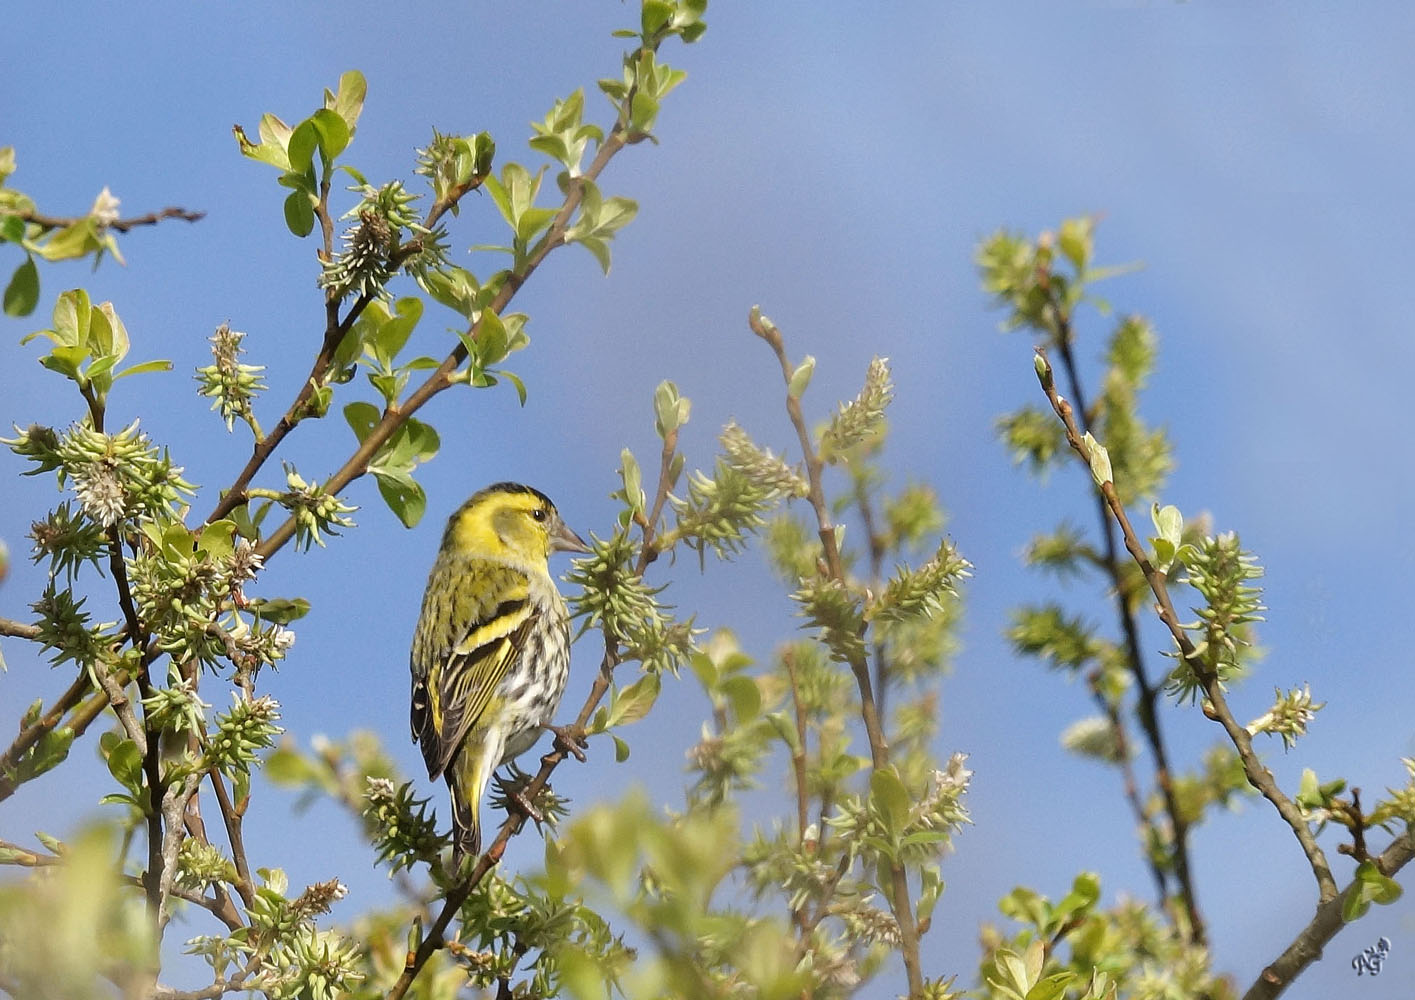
(796,378)
(1334,904)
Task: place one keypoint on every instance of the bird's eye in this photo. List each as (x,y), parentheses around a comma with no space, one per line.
(539,514)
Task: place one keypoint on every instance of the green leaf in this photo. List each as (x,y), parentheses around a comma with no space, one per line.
(621,749)
(745,696)
(332,132)
(392,334)
(144,367)
(889,799)
(402,494)
(22,293)
(51,843)
(1100,461)
(516,382)
(801,377)
(303,142)
(491,340)
(299,214)
(634,702)
(12,229)
(633,480)
(107,334)
(363,418)
(280,610)
(785,728)
(348,103)
(125,764)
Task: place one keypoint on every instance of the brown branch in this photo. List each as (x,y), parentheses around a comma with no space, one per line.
(1131,786)
(82,718)
(232,816)
(879,749)
(220,987)
(33,733)
(1147,694)
(434,938)
(396,416)
(48,222)
(1258,776)
(19,630)
(1307,947)
(335,330)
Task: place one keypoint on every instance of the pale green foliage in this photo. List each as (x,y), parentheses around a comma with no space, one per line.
(1092,952)
(1032,435)
(89,235)
(1140,456)
(64,929)
(314,509)
(1220,571)
(387,237)
(1097,738)
(116,477)
(616,600)
(202,864)
(99,909)
(1400,807)
(765,470)
(721,510)
(231,384)
(240,733)
(924,590)
(403,830)
(1289,717)
(862,418)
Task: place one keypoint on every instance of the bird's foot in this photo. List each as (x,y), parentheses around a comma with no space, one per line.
(569,740)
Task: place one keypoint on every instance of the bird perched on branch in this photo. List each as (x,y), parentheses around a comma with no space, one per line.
(492,648)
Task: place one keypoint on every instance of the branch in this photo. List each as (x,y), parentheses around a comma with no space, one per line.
(34,732)
(19,630)
(395,417)
(1147,695)
(1258,776)
(48,222)
(83,716)
(434,938)
(232,817)
(899,902)
(1307,947)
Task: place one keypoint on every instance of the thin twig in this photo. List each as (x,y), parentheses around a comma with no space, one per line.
(1147,695)
(81,719)
(395,416)
(434,938)
(48,222)
(1258,776)
(231,816)
(1131,786)
(899,901)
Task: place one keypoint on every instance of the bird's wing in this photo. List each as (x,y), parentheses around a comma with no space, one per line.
(464,671)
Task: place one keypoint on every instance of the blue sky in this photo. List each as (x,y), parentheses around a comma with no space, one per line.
(836,164)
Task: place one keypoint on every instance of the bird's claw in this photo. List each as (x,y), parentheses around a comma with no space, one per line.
(571,740)
(524,806)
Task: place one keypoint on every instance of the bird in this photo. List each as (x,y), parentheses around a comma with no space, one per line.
(491,651)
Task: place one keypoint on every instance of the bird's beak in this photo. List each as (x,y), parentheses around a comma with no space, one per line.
(565,540)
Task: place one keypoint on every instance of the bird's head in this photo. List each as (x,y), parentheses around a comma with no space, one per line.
(510,522)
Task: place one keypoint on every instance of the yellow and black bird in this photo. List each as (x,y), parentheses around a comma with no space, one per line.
(491,653)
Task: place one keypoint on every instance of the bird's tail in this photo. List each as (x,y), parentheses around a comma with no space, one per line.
(466,819)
